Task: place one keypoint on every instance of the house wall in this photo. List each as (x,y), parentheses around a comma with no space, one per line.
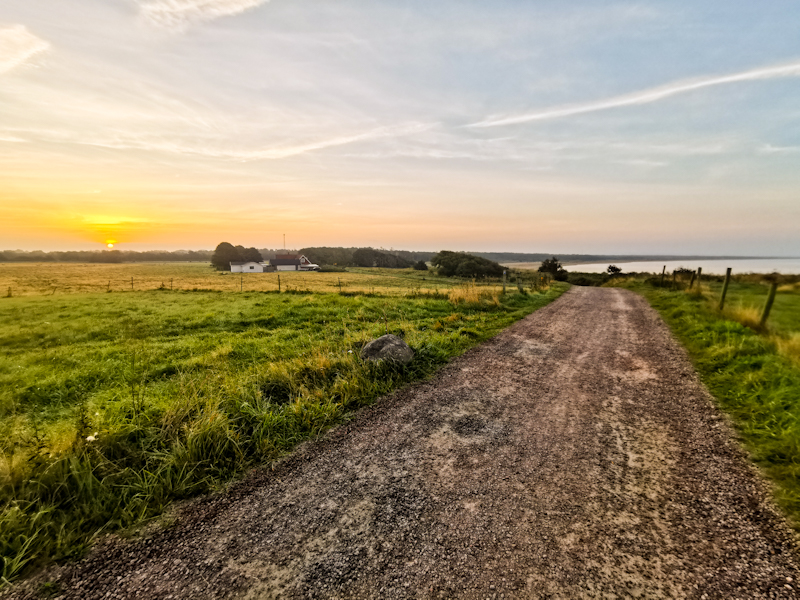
(246,268)
(287,267)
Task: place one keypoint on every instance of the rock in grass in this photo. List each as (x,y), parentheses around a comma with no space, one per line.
(388,347)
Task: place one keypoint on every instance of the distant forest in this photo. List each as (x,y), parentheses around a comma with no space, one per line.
(343,257)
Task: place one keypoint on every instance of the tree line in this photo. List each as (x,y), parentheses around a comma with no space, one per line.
(106,256)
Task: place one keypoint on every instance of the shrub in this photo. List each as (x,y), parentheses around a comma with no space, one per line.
(420,265)
(462,264)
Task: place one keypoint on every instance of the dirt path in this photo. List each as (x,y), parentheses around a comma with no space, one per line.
(575,455)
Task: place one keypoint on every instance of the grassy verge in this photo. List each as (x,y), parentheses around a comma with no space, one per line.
(114,405)
(753,380)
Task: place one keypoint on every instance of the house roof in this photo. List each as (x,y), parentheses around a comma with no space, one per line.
(279,262)
(246,262)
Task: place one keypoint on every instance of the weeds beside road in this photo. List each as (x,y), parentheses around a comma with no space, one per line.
(115,405)
(755,376)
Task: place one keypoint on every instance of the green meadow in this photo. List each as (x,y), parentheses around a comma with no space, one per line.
(114,405)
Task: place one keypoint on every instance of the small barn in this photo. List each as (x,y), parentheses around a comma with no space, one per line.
(250,267)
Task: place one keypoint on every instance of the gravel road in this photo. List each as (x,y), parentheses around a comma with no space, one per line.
(575,455)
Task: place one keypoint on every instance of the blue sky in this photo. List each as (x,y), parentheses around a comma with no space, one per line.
(658,127)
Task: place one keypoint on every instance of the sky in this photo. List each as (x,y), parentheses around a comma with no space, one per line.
(568,127)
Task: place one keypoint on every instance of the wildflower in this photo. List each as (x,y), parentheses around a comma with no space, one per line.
(92,438)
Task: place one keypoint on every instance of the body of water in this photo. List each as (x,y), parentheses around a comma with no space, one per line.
(710,267)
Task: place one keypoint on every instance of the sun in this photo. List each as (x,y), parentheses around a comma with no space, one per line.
(109,245)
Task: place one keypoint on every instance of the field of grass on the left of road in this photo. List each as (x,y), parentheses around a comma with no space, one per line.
(114,405)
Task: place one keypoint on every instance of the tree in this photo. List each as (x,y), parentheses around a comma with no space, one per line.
(420,265)
(613,270)
(550,265)
(553,266)
(249,254)
(367,257)
(461,264)
(224,255)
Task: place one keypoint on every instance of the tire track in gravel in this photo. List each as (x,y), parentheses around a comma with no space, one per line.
(574,455)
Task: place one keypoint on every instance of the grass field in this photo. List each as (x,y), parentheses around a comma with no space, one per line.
(113,405)
(37,279)
(754,375)
(745,301)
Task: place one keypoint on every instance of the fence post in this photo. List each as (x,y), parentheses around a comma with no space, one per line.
(9,292)
(768,306)
(279,284)
(699,273)
(691,281)
(170,285)
(663,272)
(340,284)
(725,287)
(131,283)
(504,281)
(241,282)
(108,287)
(673,280)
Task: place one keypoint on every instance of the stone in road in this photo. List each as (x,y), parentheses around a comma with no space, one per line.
(575,455)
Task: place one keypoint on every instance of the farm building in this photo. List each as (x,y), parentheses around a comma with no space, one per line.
(250,267)
(293,262)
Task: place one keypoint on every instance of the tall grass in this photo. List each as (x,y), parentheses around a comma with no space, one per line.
(113,409)
(474,295)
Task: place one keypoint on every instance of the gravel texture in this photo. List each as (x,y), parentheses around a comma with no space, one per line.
(575,455)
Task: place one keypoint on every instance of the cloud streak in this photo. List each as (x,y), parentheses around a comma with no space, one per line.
(18,45)
(644,96)
(180,14)
(217,148)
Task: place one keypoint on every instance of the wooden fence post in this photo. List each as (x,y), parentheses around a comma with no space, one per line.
(241,282)
(279,284)
(108,287)
(9,292)
(674,275)
(725,288)
(170,284)
(663,272)
(768,306)
(691,281)
(131,283)
(504,281)
(340,284)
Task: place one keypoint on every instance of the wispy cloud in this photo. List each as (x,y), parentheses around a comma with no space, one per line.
(770,149)
(18,45)
(380,132)
(216,148)
(644,96)
(179,14)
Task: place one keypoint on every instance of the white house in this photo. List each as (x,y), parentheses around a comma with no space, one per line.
(250,267)
(293,262)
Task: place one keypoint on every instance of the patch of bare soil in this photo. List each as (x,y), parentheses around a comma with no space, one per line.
(575,455)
